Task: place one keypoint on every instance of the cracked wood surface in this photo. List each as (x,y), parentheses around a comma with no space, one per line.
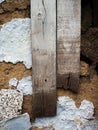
(68,43)
(43,15)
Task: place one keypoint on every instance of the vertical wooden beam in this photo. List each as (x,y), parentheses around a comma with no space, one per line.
(43,20)
(68,43)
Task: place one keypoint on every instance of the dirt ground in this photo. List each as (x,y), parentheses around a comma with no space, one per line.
(9,70)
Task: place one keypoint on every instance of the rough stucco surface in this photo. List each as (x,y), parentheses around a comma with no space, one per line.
(24,85)
(10,103)
(15,42)
(68,115)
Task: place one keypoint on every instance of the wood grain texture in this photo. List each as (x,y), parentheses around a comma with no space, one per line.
(68,43)
(43,20)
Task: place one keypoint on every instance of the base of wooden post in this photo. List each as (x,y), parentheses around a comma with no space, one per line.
(44,103)
(68,81)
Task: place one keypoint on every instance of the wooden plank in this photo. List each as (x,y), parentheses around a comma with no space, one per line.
(68,43)
(43,20)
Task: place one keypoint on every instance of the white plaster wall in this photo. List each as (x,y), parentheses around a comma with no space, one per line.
(15,42)
(24,85)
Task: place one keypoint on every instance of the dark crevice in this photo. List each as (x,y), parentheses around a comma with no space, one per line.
(68,81)
(85,2)
(87,60)
(45,80)
(96,68)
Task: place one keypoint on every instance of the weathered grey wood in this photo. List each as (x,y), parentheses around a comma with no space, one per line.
(68,43)
(43,20)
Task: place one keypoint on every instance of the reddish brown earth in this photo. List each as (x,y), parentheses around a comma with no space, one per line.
(10,9)
(9,70)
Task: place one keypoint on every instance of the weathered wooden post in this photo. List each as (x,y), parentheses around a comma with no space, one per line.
(68,43)
(43,20)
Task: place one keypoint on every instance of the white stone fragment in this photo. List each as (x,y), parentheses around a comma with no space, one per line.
(10,103)
(1,1)
(25,85)
(66,102)
(21,122)
(15,42)
(86,105)
(69,117)
(13,82)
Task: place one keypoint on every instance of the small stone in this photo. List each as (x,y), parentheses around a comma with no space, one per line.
(21,122)
(25,85)
(13,82)
(10,104)
(85,70)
